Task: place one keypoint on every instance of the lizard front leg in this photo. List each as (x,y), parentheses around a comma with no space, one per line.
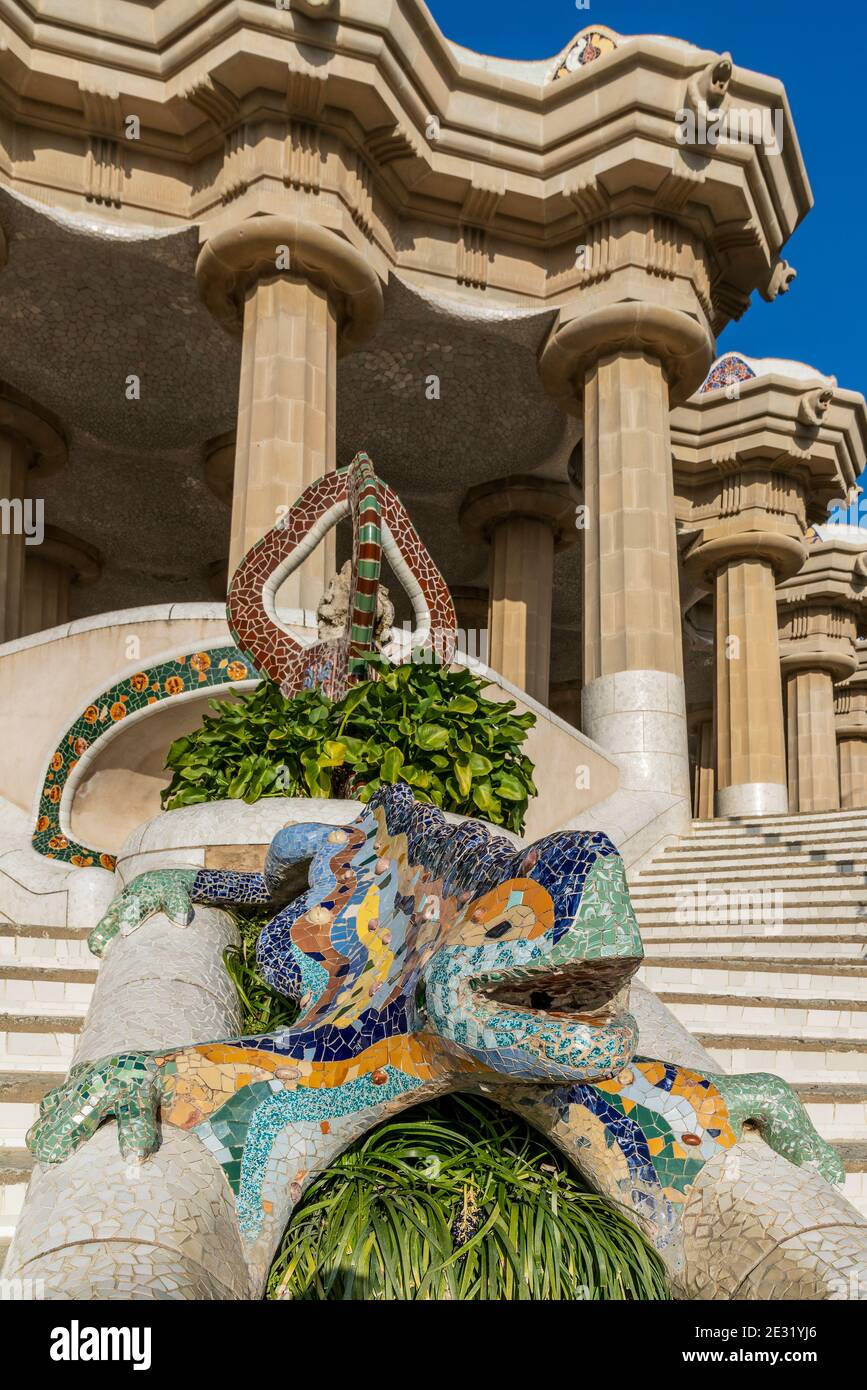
(174,892)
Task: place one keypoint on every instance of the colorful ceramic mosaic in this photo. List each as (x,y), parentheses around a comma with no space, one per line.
(726,372)
(589,45)
(133,695)
(425,958)
(379,523)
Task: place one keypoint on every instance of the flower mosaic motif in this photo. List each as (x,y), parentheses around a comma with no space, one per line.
(425,958)
(587,46)
(380,525)
(726,372)
(131,696)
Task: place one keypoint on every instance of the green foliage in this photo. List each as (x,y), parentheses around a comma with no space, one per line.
(420,723)
(460,1200)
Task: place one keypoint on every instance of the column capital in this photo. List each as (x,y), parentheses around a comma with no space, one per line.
(682,345)
(765,434)
(235,258)
(38,429)
(850,700)
(705,557)
(820,610)
(536,499)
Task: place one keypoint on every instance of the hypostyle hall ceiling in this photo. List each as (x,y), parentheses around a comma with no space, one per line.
(85,305)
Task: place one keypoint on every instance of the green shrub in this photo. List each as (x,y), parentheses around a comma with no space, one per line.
(423,724)
(459,1199)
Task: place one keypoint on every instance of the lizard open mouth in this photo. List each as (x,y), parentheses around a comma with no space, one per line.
(579,990)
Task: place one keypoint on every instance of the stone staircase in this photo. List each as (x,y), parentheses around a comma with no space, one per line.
(46,979)
(755,933)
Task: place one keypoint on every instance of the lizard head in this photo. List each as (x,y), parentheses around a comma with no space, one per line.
(502,959)
(532,950)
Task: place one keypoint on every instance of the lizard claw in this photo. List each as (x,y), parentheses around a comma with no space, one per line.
(126,1086)
(162,890)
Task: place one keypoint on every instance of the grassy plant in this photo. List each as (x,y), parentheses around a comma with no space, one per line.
(263,1008)
(459,1199)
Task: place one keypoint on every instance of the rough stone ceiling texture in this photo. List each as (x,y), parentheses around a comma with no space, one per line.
(83,307)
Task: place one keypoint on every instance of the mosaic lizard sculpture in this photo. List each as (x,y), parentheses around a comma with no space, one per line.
(425,958)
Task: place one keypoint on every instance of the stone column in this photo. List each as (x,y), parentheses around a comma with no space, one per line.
(850,709)
(814,783)
(743,569)
(50,570)
(471,608)
(819,612)
(31,447)
(622,363)
(703,789)
(524,520)
(299,294)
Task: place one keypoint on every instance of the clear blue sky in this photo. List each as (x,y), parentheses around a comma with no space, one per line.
(819,53)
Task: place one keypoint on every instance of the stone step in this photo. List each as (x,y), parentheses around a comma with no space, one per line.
(849,898)
(853,1153)
(754,859)
(799,1060)
(20,1094)
(15,1168)
(777,948)
(51,945)
(743,877)
(823,847)
(752,913)
(804,852)
(785,1018)
(777,829)
(838,1112)
(735,979)
(40,1030)
(805,820)
(30,983)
